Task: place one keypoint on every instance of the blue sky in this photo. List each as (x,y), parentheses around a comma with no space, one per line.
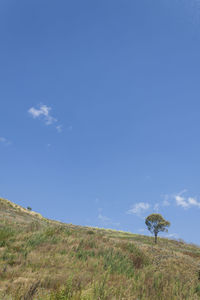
(100,111)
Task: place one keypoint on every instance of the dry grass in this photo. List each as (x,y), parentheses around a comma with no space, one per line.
(47,260)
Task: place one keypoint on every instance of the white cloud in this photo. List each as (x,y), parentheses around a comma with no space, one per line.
(4,141)
(180,201)
(167,199)
(43,112)
(186,202)
(139,208)
(193,202)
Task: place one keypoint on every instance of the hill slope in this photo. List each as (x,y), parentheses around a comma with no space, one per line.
(44,259)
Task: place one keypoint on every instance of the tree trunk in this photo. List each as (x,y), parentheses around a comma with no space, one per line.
(156,238)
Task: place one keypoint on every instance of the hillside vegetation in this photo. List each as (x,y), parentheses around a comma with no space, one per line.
(44,259)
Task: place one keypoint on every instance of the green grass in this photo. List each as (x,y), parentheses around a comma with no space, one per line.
(47,260)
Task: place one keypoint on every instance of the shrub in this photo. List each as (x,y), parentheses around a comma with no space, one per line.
(117,262)
(137,256)
(197,289)
(99,289)
(9,258)
(36,240)
(90,232)
(72,287)
(5,234)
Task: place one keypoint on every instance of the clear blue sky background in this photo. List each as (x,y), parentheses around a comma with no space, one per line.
(122,138)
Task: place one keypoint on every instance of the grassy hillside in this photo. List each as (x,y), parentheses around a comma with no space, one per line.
(43,259)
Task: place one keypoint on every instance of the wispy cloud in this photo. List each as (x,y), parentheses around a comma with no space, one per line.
(186,202)
(193,202)
(103,219)
(139,208)
(172,236)
(156,207)
(59,128)
(4,141)
(106,221)
(43,112)
(166,200)
(181,201)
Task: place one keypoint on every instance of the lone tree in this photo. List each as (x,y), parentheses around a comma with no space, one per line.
(156,223)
